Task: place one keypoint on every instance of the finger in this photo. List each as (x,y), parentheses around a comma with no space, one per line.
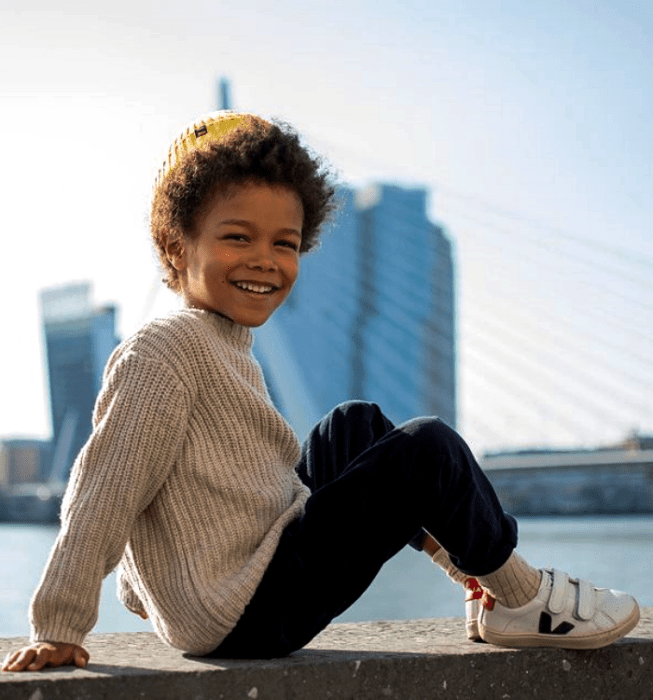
(42,658)
(20,659)
(81,657)
(9,660)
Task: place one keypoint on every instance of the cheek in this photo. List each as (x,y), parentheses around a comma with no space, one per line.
(216,272)
(293,270)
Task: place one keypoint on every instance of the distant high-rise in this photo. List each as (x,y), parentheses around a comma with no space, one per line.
(373,313)
(224,94)
(79,339)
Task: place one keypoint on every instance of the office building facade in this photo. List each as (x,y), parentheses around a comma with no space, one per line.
(79,338)
(373,314)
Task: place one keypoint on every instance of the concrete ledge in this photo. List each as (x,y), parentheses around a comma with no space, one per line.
(402,660)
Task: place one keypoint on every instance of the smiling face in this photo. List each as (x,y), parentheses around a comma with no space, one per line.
(244,257)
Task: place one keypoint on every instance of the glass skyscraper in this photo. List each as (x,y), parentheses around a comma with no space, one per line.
(373,313)
(79,339)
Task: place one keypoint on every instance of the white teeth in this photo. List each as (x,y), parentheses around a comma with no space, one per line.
(258,288)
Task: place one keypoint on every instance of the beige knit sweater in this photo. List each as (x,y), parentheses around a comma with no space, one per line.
(188,481)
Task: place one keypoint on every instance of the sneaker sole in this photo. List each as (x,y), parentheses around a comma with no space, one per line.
(593,641)
(472,610)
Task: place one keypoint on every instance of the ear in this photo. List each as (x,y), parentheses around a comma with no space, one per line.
(176,253)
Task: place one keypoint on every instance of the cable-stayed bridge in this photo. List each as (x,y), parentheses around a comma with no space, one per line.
(554,335)
(558,336)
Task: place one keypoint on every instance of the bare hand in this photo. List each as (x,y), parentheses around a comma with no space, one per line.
(35,656)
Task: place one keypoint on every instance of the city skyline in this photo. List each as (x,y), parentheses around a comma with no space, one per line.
(529,125)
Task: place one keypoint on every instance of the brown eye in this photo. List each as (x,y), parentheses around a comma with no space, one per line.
(288,244)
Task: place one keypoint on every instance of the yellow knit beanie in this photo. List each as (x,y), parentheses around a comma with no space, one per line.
(210,128)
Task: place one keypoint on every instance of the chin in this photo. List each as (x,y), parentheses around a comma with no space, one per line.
(253,323)
(250,321)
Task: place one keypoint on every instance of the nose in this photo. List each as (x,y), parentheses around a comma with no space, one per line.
(262,258)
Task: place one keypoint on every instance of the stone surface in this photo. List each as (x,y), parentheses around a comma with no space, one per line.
(401,660)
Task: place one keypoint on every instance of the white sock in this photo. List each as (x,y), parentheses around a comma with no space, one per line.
(514,584)
(441,558)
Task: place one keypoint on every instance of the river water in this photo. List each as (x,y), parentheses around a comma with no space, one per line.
(616,552)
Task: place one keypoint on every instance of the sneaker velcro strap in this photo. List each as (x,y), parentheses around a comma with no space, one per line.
(559,593)
(586,600)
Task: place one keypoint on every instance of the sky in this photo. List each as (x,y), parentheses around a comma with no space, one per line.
(529,123)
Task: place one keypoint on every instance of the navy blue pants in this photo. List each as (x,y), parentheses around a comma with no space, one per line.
(375,488)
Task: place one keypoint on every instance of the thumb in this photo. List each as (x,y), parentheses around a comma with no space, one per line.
(81,657)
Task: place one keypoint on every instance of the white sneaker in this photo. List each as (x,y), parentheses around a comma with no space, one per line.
(567,613)
(473,596)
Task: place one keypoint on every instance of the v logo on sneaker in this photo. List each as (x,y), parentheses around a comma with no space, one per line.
(545,625)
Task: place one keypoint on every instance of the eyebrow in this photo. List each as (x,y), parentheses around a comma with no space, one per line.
(248,224)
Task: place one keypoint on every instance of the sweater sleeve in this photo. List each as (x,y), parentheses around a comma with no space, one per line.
(128,596)
(140,422)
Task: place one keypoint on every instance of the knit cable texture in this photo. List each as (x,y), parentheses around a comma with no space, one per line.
(187,481)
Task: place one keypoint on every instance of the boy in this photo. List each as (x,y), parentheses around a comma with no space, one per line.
(233,540)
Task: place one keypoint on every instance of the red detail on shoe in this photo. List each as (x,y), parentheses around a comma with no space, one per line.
(474,588)
(488,601)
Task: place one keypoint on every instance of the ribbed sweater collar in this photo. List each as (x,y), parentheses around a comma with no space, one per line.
(241,336)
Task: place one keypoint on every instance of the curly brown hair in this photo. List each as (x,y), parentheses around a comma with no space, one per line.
(253,152)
